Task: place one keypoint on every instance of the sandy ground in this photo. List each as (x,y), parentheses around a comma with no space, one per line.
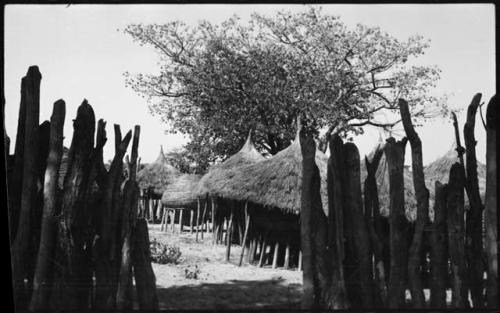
(220,285)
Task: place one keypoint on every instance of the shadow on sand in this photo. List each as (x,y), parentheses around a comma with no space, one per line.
(233,295)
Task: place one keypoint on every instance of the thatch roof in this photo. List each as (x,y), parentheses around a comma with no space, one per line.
(157,175)
(273,182)
(181,192)
(219,172)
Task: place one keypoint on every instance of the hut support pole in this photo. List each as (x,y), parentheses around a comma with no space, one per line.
(162,223)
(213,221)
(197,218)
(299,267)
(262,250)
(191,221)
(275,257)
(174,211)
(247,224)
(286,265)
(180,221)
(203,217)
(229,235)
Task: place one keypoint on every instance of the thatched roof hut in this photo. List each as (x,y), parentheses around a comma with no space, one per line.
(181,193)
(157,175)
(221,172)
(273,182)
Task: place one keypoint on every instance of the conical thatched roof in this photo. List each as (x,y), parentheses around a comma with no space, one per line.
(439,170)
(219,172)
(157,175)
(273,182)
(181,192)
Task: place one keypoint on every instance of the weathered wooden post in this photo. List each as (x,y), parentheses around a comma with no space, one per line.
(143,272)
(26,169)
(247,225)
(313,229)
(42,280)
(203,217)
(474,239)
(359,283)
(191,221)
(181,226)
(439,248)
(491,202)
(229,233)
(335,223)
(395,155)
(197,219)
(275,256)
(422,196)
(456,235)
(130,200)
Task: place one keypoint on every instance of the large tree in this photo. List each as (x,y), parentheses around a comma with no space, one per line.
(218,81)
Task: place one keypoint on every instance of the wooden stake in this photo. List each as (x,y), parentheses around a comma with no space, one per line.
(229,232)
(162,223)
(299,268)
(180,221)
(197,218)
(287,255)
(247,224)
(275,257)
(191,221)
(174,211)
(262,251)
(203,217)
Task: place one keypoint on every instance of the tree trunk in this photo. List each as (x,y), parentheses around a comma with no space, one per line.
(491,202)
(395,155)
(422,197)
(358,272)
(28,171)
(143,272)
(473,227)
(130,201)
(43,279)
(313,230)
(335,183)
(456,235)
(439,248)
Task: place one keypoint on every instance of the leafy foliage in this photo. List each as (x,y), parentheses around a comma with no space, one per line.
(216,82)
(162,253)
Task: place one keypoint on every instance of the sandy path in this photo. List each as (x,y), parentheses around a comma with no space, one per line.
(220,285)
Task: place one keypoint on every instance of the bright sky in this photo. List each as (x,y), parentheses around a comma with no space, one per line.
(81,54)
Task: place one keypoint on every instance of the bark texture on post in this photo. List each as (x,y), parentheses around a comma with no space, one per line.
(358,274)
(337,289)
(439,248)
(42,283)
(491,202)
(73,286)
(27,169)
(456,235)
(129,207)
(422,197)
(313,229)
(106,264)
(395,154)
(373,218)
(143,272)
(473,226)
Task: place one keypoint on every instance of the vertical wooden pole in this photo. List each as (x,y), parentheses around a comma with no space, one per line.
(191,220)
(439,248)
(197,218)
(275,257)
(229,236)
(203,217)
(162,223)
(299,267)
(247,224)
(180,221)
(262,250)
(174,211)
(286,265)
(491,214)
(213,220)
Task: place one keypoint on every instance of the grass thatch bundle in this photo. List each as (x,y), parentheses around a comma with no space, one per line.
(273,183)
(157,175)
(219,172)
(181,193)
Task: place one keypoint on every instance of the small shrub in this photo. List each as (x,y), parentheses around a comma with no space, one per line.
(163,253)
(191,273)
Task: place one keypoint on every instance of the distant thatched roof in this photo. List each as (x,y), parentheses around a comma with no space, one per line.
(439,170)
(273,182)
(157,175)
(219,172)
(181,192)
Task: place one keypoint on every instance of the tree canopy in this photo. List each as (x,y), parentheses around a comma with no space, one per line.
(218,81)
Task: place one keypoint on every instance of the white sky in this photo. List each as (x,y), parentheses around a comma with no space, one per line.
(81,54)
